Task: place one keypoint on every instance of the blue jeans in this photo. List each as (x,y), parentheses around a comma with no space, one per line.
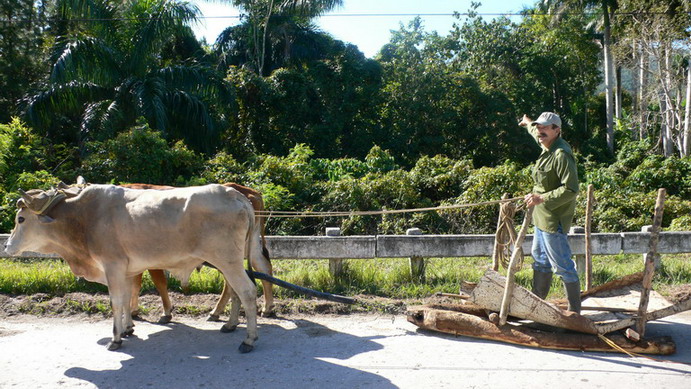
(552,251)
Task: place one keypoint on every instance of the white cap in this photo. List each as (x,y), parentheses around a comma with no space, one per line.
(547,118)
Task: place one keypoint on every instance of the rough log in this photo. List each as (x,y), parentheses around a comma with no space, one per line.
(524,304)
(459,323)
(681,306)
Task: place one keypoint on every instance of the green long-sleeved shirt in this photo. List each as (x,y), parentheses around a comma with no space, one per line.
(556,180)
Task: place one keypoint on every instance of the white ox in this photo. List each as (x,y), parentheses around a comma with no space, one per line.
(109,234)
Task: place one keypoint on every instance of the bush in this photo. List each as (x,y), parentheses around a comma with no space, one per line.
(488,184)
(140,155)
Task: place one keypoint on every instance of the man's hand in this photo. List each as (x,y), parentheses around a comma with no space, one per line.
(533,199)
(525,121)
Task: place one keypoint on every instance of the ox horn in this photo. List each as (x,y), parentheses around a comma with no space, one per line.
(27,197)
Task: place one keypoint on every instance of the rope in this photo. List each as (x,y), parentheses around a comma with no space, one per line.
(505,237)
(297,214)
(632,354)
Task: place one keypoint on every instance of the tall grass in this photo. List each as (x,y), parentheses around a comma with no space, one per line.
(378,277)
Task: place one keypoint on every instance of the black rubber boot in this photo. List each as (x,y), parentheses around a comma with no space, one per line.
(573,294)
(541,283)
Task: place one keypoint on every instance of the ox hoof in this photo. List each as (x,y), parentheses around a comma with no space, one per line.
(128,332)
(165,319)
(226,328)
(268,314)
(245,348)
(213,318)
(113,345)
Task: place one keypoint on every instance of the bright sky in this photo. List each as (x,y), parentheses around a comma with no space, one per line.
(369,33)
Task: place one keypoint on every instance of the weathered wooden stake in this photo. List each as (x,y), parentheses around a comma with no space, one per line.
(511,271)
(417,264)
(588,242)
(649,271)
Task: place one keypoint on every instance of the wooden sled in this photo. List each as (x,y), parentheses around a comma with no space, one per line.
(555,329)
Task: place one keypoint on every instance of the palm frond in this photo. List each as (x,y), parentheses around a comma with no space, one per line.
(149,95)
(88,59)
(163,19)
(65,98)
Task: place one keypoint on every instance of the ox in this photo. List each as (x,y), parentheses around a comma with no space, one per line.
(260,262)
(109,234)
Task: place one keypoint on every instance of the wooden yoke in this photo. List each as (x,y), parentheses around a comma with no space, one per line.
(511,272)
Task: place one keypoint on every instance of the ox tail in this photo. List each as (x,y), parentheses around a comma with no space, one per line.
(262,224)
(249,244)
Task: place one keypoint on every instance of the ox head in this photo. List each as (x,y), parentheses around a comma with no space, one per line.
(30,232)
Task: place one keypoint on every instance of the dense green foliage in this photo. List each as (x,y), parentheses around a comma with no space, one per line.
(132,96)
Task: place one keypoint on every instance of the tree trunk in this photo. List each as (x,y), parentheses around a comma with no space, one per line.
(686,137)
(642,84)
(608,77)
(617,96)
(668,112)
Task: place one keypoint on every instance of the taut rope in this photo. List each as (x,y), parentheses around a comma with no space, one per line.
(298,214)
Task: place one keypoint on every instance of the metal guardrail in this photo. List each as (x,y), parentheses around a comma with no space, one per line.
(405,246)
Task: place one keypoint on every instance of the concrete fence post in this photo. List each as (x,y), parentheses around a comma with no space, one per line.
(335,265)
(417,264)
(656,260)
(579,259)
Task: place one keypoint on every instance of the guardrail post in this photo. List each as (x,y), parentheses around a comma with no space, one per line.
(656,259)
(335,265)
(417,264)
(579,259)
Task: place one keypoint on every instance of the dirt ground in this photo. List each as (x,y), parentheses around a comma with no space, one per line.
(51,342)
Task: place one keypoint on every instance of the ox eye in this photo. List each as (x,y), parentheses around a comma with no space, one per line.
(20,219)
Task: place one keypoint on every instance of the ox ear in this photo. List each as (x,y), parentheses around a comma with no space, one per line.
(45,219)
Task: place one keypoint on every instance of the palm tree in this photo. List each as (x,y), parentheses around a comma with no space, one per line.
(113,69)
(288,42)
(261,16)
(607,7)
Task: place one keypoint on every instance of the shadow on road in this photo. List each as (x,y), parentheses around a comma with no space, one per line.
(181,356)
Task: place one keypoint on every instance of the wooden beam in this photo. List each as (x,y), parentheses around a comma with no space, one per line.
(511,271)
(588,243)
(460,323)
(649,271)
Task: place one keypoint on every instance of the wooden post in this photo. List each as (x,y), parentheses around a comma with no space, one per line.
(497,245)
(649,271)
(335,265)
(511,271)
(588,241)
(579,259)
(417,264)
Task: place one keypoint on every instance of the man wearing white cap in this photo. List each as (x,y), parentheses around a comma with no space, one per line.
(554,198)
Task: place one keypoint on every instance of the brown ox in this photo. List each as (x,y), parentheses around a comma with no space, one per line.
(109,234)
(261,262)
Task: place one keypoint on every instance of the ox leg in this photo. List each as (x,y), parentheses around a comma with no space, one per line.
(242,285)
(134,300)
(161,284)
(120,289)
(263,265)
(259,259)
(234,317)
(227,293)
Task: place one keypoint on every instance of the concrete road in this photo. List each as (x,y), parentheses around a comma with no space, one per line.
(326,352)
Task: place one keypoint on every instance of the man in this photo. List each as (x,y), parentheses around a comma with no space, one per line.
(554,198)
